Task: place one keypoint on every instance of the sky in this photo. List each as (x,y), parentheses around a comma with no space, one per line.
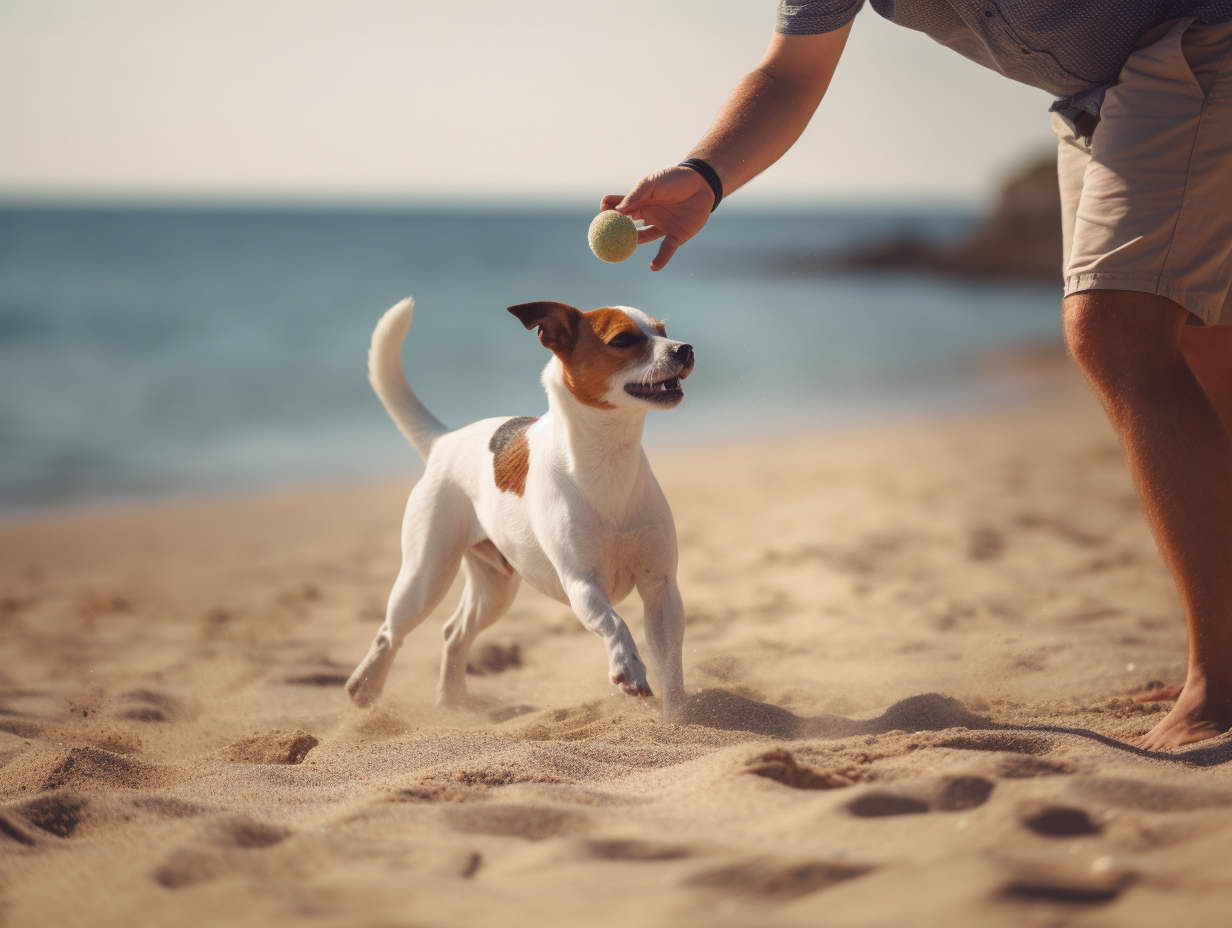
(552,101)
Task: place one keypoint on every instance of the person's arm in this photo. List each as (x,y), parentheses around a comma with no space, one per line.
(760,121)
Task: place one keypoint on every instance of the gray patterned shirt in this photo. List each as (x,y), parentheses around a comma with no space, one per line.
(1073,49)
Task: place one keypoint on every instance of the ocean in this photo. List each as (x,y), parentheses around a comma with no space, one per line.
(179,351)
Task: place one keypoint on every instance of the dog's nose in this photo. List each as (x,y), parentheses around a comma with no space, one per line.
(683,354)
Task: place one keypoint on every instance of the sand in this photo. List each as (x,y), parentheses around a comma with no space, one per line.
(911,650)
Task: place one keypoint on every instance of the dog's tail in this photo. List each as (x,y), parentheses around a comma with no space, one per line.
(389,381)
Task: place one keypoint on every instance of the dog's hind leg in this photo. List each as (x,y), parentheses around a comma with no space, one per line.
(488,593)
(436,529)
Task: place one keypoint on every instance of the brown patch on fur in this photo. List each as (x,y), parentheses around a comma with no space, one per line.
(607,323)
(511,454)
(591,364)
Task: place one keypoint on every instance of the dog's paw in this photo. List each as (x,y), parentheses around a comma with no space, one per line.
(368,680)
(629,673)
(674,702)
(359,688)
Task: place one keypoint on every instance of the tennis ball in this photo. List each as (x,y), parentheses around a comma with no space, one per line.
(612,236)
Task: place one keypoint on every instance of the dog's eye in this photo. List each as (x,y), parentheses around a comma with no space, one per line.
(623,340)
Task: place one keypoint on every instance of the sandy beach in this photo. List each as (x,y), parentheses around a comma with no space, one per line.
(912,651)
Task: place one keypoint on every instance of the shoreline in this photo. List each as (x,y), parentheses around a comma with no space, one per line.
(1006,379)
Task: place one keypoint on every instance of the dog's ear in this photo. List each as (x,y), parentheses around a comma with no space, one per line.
(558,323)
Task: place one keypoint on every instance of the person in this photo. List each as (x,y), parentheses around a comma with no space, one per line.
(1143,119)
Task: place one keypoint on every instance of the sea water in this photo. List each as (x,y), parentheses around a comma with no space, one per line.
(159,351)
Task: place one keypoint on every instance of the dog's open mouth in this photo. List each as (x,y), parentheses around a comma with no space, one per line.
(665,391)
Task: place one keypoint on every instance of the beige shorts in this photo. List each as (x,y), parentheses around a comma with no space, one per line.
(1146,191)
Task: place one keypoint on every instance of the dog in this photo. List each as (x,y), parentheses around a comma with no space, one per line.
(565,501)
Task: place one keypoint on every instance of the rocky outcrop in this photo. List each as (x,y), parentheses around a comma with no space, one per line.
(1020,238)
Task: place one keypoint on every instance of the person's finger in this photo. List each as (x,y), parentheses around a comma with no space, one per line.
(610,201)
(666,250)
(635,198)
(649,234)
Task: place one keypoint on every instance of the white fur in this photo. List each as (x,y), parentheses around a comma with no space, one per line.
(389,381)
(591,526)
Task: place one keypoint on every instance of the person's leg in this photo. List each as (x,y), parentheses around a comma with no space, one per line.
(1129,344)
(1208,352)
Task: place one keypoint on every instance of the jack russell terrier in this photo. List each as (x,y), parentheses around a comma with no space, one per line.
(565,501)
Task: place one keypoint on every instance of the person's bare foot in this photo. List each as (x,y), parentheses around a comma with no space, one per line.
(1198,714)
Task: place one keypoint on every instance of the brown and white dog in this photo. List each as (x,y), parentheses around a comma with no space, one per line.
(565,501)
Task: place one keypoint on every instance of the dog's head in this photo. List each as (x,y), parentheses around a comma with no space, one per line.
(612,357)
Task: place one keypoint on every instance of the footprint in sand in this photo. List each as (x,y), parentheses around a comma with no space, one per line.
(299,600)
(879,805)
(531,822)
(1145,796)
(963,793)
(1022,760)
(222,848)
(169,807)
(20,728)
(1025,768)
(998,741)
(1093,613)
(154,706)
(62,813)
(952,794)
(15,831)
(57,815)
(1060,528)
(775,880)
(318,678)
(1057,821)
(11,606)
(782,767)
(492,658)
(985,544)
(243,832)
(1071,887)
(634,850)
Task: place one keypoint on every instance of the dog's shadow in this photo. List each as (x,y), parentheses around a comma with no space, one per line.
(728,711)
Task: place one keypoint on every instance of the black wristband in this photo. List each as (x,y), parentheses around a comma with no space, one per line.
(709,176)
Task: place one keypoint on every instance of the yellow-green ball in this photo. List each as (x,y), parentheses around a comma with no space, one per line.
(612,236)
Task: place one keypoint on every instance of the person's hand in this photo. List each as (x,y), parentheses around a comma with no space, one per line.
(675,202)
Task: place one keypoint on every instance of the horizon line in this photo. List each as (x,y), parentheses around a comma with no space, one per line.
(229,200)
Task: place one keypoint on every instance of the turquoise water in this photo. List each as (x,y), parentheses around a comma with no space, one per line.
(171,351)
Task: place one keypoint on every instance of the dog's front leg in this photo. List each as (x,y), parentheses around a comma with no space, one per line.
(591,605)
(664,611)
